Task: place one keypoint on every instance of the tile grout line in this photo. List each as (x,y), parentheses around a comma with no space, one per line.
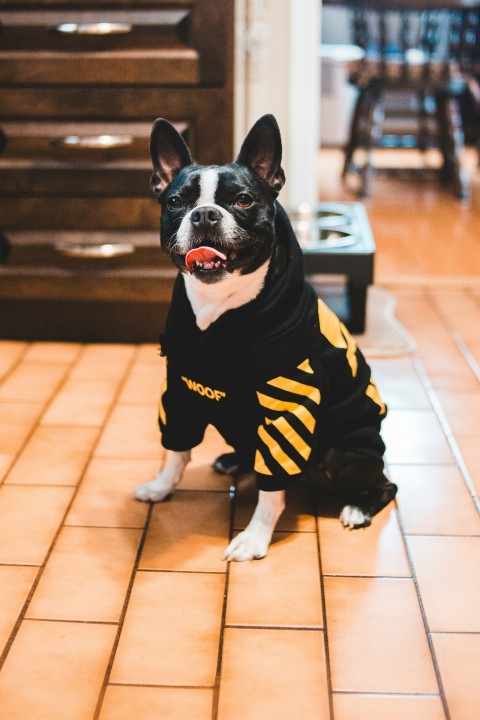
(375,693)
(474,367)
(440,414)
(433,654)
(442,418)
(467,355)
(315,500)
(223,624)
(123,614)
(16,363)
(300,628)
(456,337)
(159,686)
(438,410)
(424,379)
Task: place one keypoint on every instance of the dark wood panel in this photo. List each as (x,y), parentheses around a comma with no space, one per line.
(59,4)
(82,285)
(82,321)
(31,213)
(103,179)
(168,67)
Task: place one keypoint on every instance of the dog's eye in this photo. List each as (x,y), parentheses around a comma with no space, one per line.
(174,203)
(243,200)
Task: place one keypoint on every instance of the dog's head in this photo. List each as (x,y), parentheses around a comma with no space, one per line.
(217,220)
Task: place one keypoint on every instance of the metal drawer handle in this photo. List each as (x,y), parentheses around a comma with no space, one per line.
(102,252)
(100,28)
(93,142)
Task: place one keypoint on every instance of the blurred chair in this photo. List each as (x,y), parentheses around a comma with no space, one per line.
(418,59)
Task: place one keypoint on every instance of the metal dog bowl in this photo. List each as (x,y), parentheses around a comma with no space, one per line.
(329,217)
(334,238)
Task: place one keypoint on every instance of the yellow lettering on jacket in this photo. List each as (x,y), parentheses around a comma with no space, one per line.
(203,390)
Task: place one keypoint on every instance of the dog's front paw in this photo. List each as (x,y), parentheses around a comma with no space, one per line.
(154,491)
(251,544)
(354,517)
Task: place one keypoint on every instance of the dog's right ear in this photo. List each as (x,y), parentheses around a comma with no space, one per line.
(169,154)
(261,151)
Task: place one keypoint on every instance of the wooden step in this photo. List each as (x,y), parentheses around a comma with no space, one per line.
(177,66)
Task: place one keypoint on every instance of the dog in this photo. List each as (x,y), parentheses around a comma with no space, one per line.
(251,350)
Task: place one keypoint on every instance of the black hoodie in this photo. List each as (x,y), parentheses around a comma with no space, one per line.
(280,377)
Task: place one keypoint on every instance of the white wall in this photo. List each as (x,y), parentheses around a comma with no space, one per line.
(277,71)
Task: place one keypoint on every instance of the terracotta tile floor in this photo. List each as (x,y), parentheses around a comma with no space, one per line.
(110,609)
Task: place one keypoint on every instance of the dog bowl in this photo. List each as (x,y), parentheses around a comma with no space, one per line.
(327,218)
(334,238)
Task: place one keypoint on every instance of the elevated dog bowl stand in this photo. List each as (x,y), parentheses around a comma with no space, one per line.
(336,240)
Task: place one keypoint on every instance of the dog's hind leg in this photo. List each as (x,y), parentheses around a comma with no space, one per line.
(365,505)
(360,479)
(230,464)
(167,479)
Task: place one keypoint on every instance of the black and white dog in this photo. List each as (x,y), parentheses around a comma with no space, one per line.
(249,347)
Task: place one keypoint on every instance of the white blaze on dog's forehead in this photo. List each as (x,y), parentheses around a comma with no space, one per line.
(208,187)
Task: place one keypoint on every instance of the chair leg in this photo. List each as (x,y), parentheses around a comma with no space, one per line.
(451,141)
(373,134)
(422,117)
(354,139)
(366,130)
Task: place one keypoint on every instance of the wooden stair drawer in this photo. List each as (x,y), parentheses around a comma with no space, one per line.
(47,179)
(81,213)
(96,47)
(175,66)
(95,266)
(78,141)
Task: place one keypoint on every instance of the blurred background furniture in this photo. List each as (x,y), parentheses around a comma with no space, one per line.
(80,85)
(418,58)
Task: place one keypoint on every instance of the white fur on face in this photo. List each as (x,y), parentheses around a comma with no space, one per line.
(208,187)
(209,301)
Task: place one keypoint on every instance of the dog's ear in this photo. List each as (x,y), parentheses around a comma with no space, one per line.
(262,152)
(169,154)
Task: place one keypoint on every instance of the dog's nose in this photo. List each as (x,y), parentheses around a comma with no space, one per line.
(206,217)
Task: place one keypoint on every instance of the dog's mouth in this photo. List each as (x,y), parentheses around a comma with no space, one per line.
(210,264)
(206,259)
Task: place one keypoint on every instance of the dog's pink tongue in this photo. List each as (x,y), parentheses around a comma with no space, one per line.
(203,254)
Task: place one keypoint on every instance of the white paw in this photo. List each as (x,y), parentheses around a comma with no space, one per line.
(352,517)
(154,491)
(251,544)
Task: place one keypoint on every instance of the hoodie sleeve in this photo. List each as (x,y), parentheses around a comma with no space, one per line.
(180,417)
(290,407)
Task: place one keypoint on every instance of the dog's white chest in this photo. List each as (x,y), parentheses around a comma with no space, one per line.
(210,301)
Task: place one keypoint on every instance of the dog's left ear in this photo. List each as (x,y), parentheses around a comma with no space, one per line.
(169,154)
(262,152)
